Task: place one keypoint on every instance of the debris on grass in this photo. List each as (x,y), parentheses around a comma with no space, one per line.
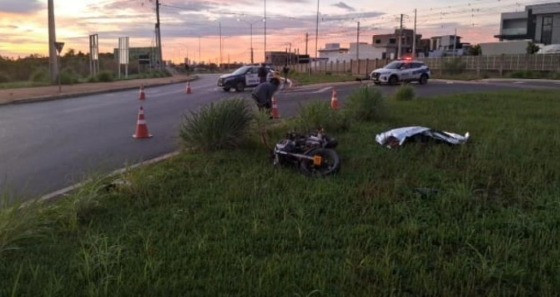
(398,137)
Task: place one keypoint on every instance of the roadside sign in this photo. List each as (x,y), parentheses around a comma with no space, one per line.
(59,46)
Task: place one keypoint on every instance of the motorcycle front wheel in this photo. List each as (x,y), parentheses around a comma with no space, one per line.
(326,162)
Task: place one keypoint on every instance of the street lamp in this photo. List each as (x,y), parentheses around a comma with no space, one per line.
(251,27)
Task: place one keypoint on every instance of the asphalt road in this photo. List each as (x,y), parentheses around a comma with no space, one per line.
(50,145)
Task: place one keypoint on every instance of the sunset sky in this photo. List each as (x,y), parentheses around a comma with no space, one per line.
(23,23)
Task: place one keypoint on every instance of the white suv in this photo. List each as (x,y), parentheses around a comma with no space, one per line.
(401,71)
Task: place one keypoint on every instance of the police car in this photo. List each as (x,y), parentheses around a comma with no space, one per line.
(402,71)
(246,76)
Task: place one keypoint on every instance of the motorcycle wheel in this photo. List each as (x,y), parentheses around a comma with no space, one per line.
(330,163)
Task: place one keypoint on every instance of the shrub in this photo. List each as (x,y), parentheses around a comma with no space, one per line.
(217,126)
(68,77)
(320,115)
(4,78)
(405,93)
(366,104)
(105,76)
(454,66)
(39,75)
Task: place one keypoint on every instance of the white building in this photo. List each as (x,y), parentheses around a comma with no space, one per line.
(334,53)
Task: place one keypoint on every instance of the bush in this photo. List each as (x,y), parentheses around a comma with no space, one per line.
(366,104)
(40,75)
(105,76)
(68,77)
(217,126)
(454,66)
(405,93)
(320,115)
(4,78)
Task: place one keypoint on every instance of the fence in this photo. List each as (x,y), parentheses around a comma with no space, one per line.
(502,63)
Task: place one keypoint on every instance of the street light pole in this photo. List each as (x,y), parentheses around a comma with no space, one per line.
(252,62)
(264,31)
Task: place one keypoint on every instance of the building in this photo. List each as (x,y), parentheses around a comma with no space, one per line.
(333,52)
(446,45)
(538,23)
(389,44)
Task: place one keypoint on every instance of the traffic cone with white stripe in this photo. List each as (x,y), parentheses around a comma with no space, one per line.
(274,112)
(141,126)
(142,94)
(188,89)
(334,100)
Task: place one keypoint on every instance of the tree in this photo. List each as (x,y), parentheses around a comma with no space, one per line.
(70,53)
(532,48)
(475,50)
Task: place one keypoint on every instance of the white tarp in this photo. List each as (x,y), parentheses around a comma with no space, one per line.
(398,137)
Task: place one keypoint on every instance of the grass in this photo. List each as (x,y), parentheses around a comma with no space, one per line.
(405,93)
(229,224)
(317,78)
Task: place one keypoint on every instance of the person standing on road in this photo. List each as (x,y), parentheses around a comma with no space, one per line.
(263,73)
(263,93)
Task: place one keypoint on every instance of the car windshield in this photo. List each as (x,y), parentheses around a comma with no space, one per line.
(393,65)
(241,70)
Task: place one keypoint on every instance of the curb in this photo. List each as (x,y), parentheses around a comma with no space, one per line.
(64,191)
(83,94)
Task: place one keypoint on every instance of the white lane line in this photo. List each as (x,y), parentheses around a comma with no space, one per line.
(322,90)
(519,82)
(449,82)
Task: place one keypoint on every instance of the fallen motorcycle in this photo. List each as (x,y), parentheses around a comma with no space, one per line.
(314,154)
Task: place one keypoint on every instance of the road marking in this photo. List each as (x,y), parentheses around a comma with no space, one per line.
(322,90)
(449,82)
(519,82)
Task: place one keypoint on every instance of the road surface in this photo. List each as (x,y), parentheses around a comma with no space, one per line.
(50,145)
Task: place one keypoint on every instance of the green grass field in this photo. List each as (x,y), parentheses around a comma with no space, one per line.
(424,220)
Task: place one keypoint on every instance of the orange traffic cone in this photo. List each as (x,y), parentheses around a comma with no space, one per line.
(334,100)
(141,126)
(142,95)
(188,90)
(274,112)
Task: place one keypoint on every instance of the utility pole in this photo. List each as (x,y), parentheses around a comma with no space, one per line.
(53,57)
(264,53)
(306,41)
(358,48)
(455,43)
(220,26)
(252,61)
(158,37)
(399,52)
(414,37)
(317,30)
(199,50)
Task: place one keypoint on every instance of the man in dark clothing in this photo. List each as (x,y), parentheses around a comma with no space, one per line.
(263,93)
(263,73)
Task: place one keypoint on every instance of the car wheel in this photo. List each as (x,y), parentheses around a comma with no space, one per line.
(226,89)
(240,87)
(393,80)
(423,79)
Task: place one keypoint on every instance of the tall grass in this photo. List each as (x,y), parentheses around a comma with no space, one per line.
(366,104)
(405,93)
(479,219)
(318,115)
(217,126)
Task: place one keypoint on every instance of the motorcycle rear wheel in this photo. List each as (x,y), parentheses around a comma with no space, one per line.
(330,163)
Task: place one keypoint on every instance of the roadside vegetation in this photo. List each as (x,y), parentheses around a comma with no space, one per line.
(423,220)
(33,71)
